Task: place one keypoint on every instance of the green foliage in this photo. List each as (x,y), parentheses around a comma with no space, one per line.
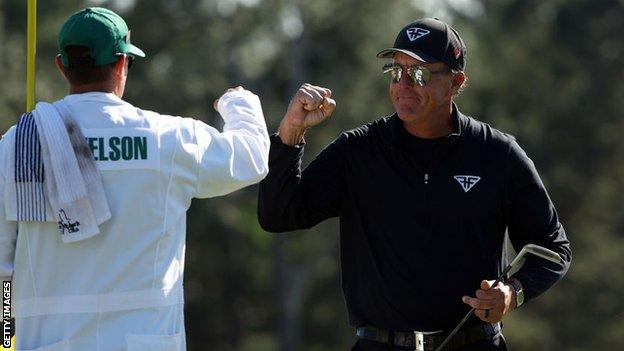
(548,72)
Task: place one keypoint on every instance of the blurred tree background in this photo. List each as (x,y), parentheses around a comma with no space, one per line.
(549,72)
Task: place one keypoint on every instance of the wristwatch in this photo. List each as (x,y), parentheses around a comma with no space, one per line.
(517,286)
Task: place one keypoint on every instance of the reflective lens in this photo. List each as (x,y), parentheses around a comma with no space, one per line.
(419,74)
(393,72)
(129,59)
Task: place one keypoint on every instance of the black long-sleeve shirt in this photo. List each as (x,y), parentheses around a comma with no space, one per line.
(414,240)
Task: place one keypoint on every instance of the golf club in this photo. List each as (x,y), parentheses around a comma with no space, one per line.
(536,250)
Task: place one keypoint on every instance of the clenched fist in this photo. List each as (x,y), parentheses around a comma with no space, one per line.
(310,106)
(215,103)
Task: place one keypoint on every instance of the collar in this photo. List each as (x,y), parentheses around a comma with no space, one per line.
(459,120)
(94,96)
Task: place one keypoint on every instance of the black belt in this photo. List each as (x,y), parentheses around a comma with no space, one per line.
(429,341)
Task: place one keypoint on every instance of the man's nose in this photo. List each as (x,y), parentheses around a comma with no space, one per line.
(406,80)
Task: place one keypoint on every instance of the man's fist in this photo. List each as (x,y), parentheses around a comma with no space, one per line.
(310,106)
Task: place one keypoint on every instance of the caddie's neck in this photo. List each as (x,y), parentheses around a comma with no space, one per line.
(115,83)
(104,87)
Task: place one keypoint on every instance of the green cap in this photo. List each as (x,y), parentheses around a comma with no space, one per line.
(104,32)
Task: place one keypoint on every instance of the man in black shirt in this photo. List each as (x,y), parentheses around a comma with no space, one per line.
(425,197)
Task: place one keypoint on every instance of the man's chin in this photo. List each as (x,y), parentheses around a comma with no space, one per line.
(407,116)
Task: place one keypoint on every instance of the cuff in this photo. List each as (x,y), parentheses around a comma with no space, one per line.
(234,102)
(281,151)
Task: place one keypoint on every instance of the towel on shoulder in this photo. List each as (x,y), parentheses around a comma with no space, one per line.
(52,176)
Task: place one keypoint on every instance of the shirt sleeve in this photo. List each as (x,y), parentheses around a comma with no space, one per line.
(533,219)
(290,199)
(238,156)
(8,229)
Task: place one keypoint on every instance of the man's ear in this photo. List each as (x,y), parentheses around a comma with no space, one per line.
(458,80)
(59,65)
(121,67)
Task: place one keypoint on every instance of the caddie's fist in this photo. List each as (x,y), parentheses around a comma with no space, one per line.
(215,103)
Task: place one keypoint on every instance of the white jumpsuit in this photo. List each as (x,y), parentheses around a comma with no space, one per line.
(122,289)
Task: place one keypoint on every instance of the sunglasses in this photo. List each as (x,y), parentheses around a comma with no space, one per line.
(130,59)
(418,74)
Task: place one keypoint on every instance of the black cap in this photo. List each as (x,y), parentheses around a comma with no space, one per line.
(430,40)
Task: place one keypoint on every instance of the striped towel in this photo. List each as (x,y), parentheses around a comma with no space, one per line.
(28,171)
(55,176)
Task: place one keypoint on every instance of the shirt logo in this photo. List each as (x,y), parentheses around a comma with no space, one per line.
(467,181)
(416,33)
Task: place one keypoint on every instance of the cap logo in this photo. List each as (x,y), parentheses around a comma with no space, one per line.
(414,33)
(457,52)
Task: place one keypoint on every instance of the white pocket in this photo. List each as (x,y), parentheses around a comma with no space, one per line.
(57,346)
(154,342)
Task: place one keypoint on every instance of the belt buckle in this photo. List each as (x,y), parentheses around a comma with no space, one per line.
(419,339)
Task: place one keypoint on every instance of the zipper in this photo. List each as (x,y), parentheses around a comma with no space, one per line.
(427,205)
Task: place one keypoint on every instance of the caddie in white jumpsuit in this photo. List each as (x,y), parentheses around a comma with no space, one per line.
(121,288)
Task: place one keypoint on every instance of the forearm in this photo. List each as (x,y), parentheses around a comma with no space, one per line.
(245,124)
(534,220)
(235,158)
(277,203)
(538,275)
(289,134)
(289,198)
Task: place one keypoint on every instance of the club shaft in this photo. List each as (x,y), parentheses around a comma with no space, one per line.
(461,324)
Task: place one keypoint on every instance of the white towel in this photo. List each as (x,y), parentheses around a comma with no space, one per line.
(55,176)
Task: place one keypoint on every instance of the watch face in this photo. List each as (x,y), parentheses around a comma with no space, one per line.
(519,298)
(517,286)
